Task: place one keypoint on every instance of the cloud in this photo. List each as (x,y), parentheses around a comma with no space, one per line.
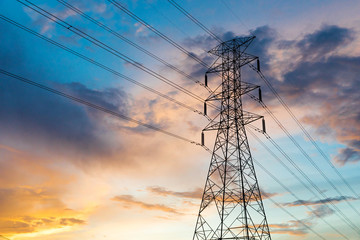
(293,227)
(196,193)
(311,73)
(29,209)
(46,122)
(71,221)
(319,202)
(33,224)
(324,41)
(34,113)
(31,194)
(200,44)
(289,229)
(348,154)
(130,201)
(266,195)
(265,38)
(332,87)
(320,211)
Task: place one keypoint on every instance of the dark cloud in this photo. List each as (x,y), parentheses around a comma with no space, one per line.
(197,70)
(333,86)
(324,41)
(265,37)
(325,80)
(40,118)
(320,202)
(348,155)
(35,114)
(202,41)
(318,77)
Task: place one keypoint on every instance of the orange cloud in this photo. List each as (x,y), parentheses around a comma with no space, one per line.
(289,229)
(196,193)
(129,200)
(38,205)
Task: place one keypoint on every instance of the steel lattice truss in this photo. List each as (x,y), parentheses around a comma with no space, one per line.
(231,206)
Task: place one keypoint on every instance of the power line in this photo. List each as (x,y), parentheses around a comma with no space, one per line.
(312,162)
(294,175)
(103,26)
(233,13)
(99,64)
(178,28)
(163,36)
(347,220)
(160,129)
(110,49)
(197,22)
(268,197)
(121,116)
(304,130)
(289,111)
(89,104)
(216,38)
(157,32)
(286,211)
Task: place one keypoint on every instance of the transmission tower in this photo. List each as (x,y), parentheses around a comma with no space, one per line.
(231,206)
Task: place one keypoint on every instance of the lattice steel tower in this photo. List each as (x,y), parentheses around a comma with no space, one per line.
(231,206)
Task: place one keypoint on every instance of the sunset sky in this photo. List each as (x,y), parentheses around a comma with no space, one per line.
(70,172)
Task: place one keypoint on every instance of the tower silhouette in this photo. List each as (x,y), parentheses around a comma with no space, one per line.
(231,206)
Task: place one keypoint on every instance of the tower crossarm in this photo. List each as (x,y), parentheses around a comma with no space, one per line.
(231,206)
(244,89)
(240,43)
(247,118)
(240,61)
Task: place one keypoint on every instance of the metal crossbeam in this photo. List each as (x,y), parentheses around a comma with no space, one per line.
(231,206)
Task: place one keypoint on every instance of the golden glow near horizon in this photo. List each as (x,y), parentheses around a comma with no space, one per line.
(70,172)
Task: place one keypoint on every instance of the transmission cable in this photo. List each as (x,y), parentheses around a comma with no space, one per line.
(92,105)
(347,220)
(304,130)
(109,49)
(157,32)
(302,150)
(290,112)
(268,197)
(197,22)
(103,26)
(124,117)
(280,99)
(233,13)
(286,211)
(100,65)
(294,175)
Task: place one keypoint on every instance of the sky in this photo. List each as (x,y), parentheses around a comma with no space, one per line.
(68,171)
